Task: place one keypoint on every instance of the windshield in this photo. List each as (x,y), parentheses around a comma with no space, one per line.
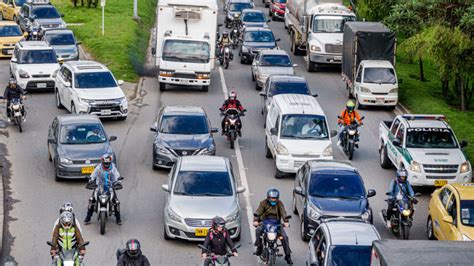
(238,7)
(60,39)
(20,2)
(214,184)
(350,255)
(82,134)
(186,51)
(379,75)
(288,87)
(37,57)
(301,126)
(279,1)
(467,212)
(275,60)
(42,12)
(330,23)
(430,138)
(253,17)
(9,31)
(184,124)
(94,80)
(258,36)
(336,185)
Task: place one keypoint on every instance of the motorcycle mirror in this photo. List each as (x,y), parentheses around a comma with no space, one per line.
(277,40)
(49,243)
(84,244)
(237,246)
(388,193)
(362,118)
(333,133)
(121,178)
(371,193)
(112,138)
(274,131)
(288,217)
(255,214)
(214,130)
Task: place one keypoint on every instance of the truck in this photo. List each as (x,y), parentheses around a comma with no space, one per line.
(185,42)
(425,146)
(368,64)
(315,28)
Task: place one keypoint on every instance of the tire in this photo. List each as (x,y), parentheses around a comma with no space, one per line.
(73,109)
(405,233)
(162,86)
(384,160)
(205,88)
(56,177)
(165,235)
(226,65)
(349,92)
(293,203)
(242,60)
(102,222)
(278,174)
(303,234)
(350,151)
(429,229)
(18,123)
(232,144)
(59,105)
(238,237)
(311,66)
(268,153)
(358,105)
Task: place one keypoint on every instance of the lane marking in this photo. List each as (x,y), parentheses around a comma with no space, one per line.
(241,167)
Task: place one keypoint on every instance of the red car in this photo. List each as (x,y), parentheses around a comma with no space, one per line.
(277,9)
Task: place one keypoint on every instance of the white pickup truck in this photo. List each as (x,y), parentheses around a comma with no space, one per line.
(425,145)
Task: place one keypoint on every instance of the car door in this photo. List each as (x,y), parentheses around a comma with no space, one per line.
(53,138)
(23,18)
(397,155)
(299,183)
(59,83)
(68,91)
(451,231)
(438,211)
(313,244)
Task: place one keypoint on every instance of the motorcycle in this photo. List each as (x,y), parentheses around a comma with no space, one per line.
(103,206)
(68,256)
(225,56)
(17,112)
(222,260)
(270,236)
(232,116)
(400,220)
(350,139)
(33,34)
(235,33)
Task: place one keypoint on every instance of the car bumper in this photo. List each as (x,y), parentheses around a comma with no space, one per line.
(112,111)
(329,59)
(290,164)
(6,51)
(36,84)
(378,100)
(430,179)
(184,81)
(72,171)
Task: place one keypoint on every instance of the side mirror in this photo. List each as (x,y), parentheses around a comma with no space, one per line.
(362,118)
(371,193)
(78,42)
(112,138)
(448,219)
(262,93)
(274,131)
(463,143)
(154,127)
(397,143)
(153,51)
(67,84)
(214,130)
(333,133)
(13,60)
(269,20)
(121,178)
(314,95)
(51,140)
(295,65)
(277,40)
(165,187)
(50,243)
(240,189)
(120,82)
(299,191)
(62,15)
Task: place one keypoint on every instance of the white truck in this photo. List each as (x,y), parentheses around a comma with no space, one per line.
(185,42)
(316,28)
(424,145)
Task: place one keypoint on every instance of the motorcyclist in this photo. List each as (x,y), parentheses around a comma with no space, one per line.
(272,208)
(13,91)
(67,232)
(232,102)
(347,116)
(223,41)
(400,183)
(105,174)
(217,240)
(133,255)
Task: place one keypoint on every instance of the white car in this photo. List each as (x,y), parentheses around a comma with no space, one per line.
(34,65)
(88,87)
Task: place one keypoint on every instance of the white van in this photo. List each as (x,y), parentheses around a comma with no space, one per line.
(296,131)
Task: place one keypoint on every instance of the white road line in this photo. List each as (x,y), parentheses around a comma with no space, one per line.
(243,175)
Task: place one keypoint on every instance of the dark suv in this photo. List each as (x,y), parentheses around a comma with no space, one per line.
(40,14)
(181,131)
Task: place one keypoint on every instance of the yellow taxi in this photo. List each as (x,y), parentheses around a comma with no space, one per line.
(10,34)
(451,213)
(9,9)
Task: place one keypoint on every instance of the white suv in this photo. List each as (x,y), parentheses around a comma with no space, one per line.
(88,87)
(34,65)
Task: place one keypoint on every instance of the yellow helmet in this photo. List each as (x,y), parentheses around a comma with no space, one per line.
(350,106)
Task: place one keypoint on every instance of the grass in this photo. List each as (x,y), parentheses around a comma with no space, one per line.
(426,98)
(124,45)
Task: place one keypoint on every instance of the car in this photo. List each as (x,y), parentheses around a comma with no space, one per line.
(254,40)
(234,7)
(253,18)
(75,145)
(89,87)
(328,189)
(276,9)
(342,242)
(40,14)
(269,62)
(63,42)
(181,131)
(451,213)
(10,34)
(9,9)
(34,65)
(198,189)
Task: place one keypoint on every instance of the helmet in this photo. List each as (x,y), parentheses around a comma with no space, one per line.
(272,196)
(350,106)
(133,248)
(12,83)
(233,95)
(218,221)
(66,207)
(66,219)
(225,33)
(106,160)
(402,175)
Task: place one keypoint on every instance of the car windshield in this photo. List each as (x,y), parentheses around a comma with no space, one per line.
(94,80)
(37,57)
(82,134)
(42,12)
(330,23)
(349,255)
(275,60)
(288,87)
(301,126)
(279,1)
(184,124)
(60,39)
(238,7)
(336,185)
(430,138)
(186,51)
(212,184)
(258,36)
(10,31)
(20,2)
(253,17)
(379,75)
(467,212)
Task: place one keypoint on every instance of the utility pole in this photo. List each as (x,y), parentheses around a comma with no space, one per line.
(135,11)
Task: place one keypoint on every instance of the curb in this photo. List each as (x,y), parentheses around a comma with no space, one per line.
(2,208)
(401,109)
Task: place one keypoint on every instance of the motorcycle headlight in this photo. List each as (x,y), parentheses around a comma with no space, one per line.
(395,90)
(415,167)
(227,50)
(103,199)
(315,48)
(281,149)
(233,216)
(161,148)
(65,160)
(271,236)
(365,90)
(16,107)
(23,74)
(173,215)
(366,215)
(351,132)
(328,150)
(465,167)
(466,238)
(313,213)
(406,212)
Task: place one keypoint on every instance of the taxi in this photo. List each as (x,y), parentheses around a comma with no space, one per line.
(9,9)
(451,213)
(10,34)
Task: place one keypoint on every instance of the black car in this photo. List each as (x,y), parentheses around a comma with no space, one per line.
(233,9)
(255,39)
(328,189)
(181,131)
(75,145)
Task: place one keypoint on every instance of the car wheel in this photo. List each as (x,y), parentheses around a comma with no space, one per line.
(278,174)
(268,153)
(358,105)
(56,177)
(384,160)
(242,60)
(295,210)
(73,109)
(257,87)
(253,76)
(303,231)
(237,238)
(162,86)
(59,105)
(165,234)
(429,229)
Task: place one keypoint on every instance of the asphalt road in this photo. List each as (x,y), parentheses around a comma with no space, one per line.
(36,197)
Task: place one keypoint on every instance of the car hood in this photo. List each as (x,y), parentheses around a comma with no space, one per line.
(269,70)
(255,24)
(11,39)
(84,151)
(34,69)
(305,147)
(101,94)
(339,207)
(437,156)
(259,45)
(178,141)
(202,207)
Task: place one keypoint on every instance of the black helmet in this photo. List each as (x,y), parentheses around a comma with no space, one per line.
(133,248)
(218,221)
(106,160)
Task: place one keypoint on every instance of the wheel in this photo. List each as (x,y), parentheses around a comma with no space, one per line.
(350,151)
(358,105)
(278,174)
(226,64)
(221,61)
(272,259)
(405,232)
(56,177)
(102,221)
(205,88)
(18,123)
(303,232)
(242,60)
(73,109)
(295,210)
(429,229)
(232,144)
(310,66)
(253,77)
(162,86)
(59,105)
(49,157)
(237,238)
(349,92)
(384,160)
(165,235)
(257,87)
(268,153)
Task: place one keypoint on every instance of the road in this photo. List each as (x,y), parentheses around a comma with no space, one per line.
(36,197)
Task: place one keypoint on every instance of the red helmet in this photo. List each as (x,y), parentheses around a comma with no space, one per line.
(106,160)
(233,95)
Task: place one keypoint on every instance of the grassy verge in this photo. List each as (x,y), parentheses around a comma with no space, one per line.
(426,98)
(124,45)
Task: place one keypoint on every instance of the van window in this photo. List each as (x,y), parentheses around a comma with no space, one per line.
(395,125)
(277,125)
(303,126)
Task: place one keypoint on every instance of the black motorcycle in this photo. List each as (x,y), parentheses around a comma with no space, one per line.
(232,118)
(68,255)
(270,236)
(401,219)
(33,34)
(17,112)
(225,56)
(221,260)
(350,138)
(235,33)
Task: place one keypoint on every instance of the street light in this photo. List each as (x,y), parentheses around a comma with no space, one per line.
(135,11)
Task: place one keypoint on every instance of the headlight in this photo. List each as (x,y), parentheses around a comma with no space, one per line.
(122,100)
(362,89)
(466,238)
(65,160)
(55,73)
(465,167)
(366,215)
(23,74)
(166,73)
(315,48)
(161,148)
(313,213)
(203,75)
(62,25)
(173,216)
(328,150)
(88,101)
(204,151)
(271,236)
(351,132)
(281,149)
(233,216)
(393,90)
(415,167)
(406,212)
(245,49)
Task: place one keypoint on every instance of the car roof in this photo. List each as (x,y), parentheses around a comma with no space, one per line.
(7,23)
(69,119)
(330,166)
(427,123)
(203,163)
(273,52)
(86,66)
(377,63)
(34,45)
(57,31)
(298,104)
(183,110)
(466,190)
(286,78)
(257,29)
(251,10)
(239,1)
(351,232)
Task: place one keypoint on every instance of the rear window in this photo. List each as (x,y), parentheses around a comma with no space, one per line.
(349,255)
(288,87)
(275,60)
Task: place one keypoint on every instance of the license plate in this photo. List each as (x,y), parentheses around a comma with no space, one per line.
(106,112)
(9,51)
(440,182)
(41,85)
(200,231)
(379,99)
(184,81)
(87,169)
(337,58)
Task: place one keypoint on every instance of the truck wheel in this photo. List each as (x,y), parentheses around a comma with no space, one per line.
(358,105)
(278,174)
(205,88)
(384,160)
(162,86)
(310,66)
(429,229)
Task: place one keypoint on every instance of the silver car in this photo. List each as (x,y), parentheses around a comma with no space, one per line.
(63,42)
(198,189)
(270,62)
